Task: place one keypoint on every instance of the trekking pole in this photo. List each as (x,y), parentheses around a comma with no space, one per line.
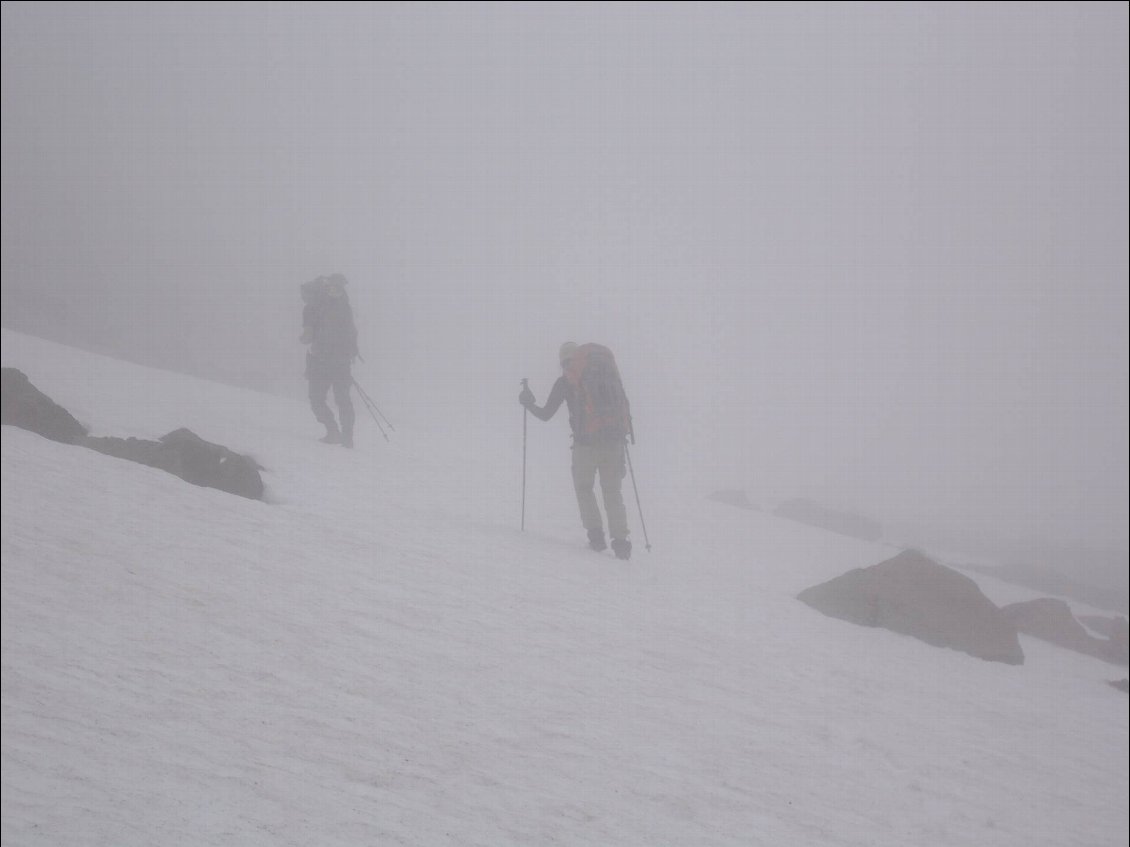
(369,409)
(371,404)
(643,526)
(525,420)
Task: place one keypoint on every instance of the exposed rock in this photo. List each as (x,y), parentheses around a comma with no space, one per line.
(1097,581)
(181,452)
(916,596)
(1121,684)
(27,407)
(1115,629)
(1120,635)
(844,523)
(734,497)
(187,455)
(1050,619)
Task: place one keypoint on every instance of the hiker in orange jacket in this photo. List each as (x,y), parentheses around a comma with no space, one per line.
(590,387)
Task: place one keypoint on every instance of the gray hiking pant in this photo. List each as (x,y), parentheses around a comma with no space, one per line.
(607,460)
(326,375)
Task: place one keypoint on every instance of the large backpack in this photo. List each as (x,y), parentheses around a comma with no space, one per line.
(312,290)
(602,407)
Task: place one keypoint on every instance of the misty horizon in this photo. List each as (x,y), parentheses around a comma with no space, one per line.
(874,255)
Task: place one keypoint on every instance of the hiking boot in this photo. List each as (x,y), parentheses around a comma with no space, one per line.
(347,439)
(596,540)
(332,436)
(622,547)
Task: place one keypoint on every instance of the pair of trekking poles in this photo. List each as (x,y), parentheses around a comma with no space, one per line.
(373,410)
(627,454)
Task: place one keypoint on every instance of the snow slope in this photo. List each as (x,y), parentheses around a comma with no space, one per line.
(379,656)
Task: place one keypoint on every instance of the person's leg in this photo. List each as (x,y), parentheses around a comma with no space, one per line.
(318,389)
(613,469)
(343,386)
(584,478)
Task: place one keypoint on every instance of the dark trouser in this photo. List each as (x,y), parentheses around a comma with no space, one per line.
(323,376)
(606,459)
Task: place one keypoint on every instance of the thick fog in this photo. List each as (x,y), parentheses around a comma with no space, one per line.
(874,255)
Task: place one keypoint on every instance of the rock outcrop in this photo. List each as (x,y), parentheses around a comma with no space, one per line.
(913,595)
(1050,619)
(187,455)
(181,452)
(27,407)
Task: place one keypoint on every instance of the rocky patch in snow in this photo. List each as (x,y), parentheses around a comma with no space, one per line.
(181,452)
(1050,619)
(27,407)
(913,595)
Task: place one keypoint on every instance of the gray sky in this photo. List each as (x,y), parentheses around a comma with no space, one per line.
(870,253)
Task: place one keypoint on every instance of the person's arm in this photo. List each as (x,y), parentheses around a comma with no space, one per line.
(556,398)
(307,324)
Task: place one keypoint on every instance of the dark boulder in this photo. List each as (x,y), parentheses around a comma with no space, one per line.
(188,456)
(916,596)
(1116,629)
(844,523)
(1050,619)
(1122,685)
(213,465)
(181,452)
(27,407)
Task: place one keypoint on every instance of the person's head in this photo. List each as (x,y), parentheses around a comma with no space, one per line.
(334,286)
(568,351)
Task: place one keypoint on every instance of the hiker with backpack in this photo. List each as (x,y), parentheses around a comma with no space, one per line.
(600,419)
(327,326)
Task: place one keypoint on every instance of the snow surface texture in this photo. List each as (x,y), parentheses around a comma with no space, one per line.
(377,655)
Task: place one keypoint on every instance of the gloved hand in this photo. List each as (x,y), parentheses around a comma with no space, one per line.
(526,398)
